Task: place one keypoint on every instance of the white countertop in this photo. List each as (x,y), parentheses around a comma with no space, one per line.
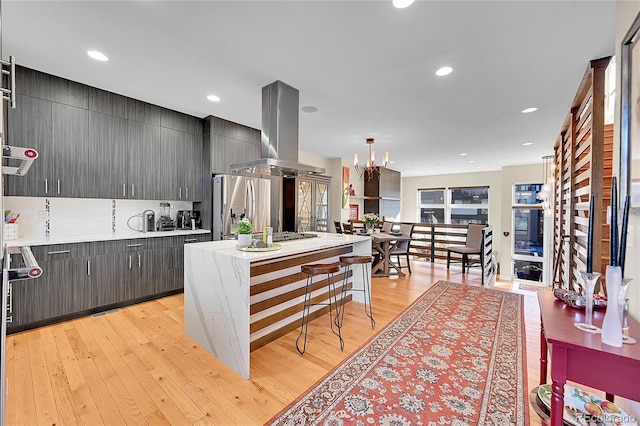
(324,240)
(67,239)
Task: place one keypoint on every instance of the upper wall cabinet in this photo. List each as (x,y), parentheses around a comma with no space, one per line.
(97,144)
(59,133)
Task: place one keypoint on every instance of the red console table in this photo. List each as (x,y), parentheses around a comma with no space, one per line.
(582,357)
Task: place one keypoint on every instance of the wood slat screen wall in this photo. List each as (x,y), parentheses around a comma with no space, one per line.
(582,166)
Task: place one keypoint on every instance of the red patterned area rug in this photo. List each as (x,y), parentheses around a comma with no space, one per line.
(455,357)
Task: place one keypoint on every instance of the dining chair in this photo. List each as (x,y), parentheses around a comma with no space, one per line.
(386,227)
(402,248)
(338,226)
(347,228)
(472,246)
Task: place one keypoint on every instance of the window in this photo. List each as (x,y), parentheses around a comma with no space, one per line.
(528,254)
(454,205)
(431,205)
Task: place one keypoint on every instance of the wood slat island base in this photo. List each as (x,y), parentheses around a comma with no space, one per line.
(237,301)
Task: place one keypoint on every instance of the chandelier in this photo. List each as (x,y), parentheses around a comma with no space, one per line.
(546,194)
(370,170)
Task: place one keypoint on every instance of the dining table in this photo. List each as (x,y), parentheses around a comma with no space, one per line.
(383,244)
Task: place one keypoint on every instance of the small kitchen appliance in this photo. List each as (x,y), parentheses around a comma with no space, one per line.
(148,221)
(165,223)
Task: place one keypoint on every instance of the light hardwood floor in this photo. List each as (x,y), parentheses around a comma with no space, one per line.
(136,366)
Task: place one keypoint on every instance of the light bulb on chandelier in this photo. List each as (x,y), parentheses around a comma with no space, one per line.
(370,170)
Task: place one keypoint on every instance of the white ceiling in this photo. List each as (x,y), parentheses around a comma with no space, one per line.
(367,67)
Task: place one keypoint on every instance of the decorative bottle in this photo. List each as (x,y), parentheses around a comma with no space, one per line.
(612,324)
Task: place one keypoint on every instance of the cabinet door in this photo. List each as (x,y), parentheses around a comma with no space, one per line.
(305,205)
(321,206)
(70,151)
(49,296)
(143,154)
(140,277)
(30,125)
(112,270)
(107,155)
(168,168)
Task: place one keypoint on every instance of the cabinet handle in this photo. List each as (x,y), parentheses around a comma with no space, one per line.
(180,193)
(133,190)
(134,245)
(10,297)
(58,252)
(46,186)
(139,261)
(58,186)
(129,262)
(88,267)
(190,240)
(124,190)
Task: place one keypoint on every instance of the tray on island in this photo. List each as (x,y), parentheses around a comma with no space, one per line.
(272,248)
(578,301)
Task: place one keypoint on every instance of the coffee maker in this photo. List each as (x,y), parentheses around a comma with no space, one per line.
(165,223)
(188,219)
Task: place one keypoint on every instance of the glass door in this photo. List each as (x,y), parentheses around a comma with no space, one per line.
(528,231)
(322,207)
(305,209)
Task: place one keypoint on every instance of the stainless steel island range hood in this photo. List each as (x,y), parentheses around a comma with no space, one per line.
(279,136)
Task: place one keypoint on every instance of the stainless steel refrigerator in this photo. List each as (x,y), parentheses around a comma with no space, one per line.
(236,197)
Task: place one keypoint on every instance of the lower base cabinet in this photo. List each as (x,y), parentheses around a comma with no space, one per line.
(115,273)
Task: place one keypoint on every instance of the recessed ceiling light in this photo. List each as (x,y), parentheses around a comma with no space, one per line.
(408,167)
(528,110)
(444,71)
(98,56)
(392,162)
(463,154)
(472,161)
(401,4)
(309,108)
(213,98)
(527,143)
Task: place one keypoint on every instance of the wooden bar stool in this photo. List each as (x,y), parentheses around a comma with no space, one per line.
(311,271)
(366,281)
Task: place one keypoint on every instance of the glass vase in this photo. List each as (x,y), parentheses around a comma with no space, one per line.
(590,279)
(612,324)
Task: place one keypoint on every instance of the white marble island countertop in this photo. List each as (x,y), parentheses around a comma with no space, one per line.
(324,240)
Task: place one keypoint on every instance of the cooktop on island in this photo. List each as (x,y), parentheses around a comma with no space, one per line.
(290,236)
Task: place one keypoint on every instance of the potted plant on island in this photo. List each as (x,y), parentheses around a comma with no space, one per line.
(530,272)
(244,232)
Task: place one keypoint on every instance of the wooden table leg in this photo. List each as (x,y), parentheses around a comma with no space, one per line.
(558,379)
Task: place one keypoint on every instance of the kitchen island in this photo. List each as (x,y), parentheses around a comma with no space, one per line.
(237,301)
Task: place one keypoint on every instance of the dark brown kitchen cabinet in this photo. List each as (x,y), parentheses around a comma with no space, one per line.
(382,196)
(30,125)
(108,155)
(70,152)
(181,165)
(83,278)
(97,144)
(59,133)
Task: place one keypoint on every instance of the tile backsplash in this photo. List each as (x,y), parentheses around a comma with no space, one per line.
(40,216)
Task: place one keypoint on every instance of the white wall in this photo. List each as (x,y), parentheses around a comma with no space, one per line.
(500,188)
(81,216)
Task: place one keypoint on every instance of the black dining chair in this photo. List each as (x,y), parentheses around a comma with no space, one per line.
(347,228)
(338,226)
(402,248)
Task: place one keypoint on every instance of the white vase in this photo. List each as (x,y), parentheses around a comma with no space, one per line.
(244,240)
(612,324)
